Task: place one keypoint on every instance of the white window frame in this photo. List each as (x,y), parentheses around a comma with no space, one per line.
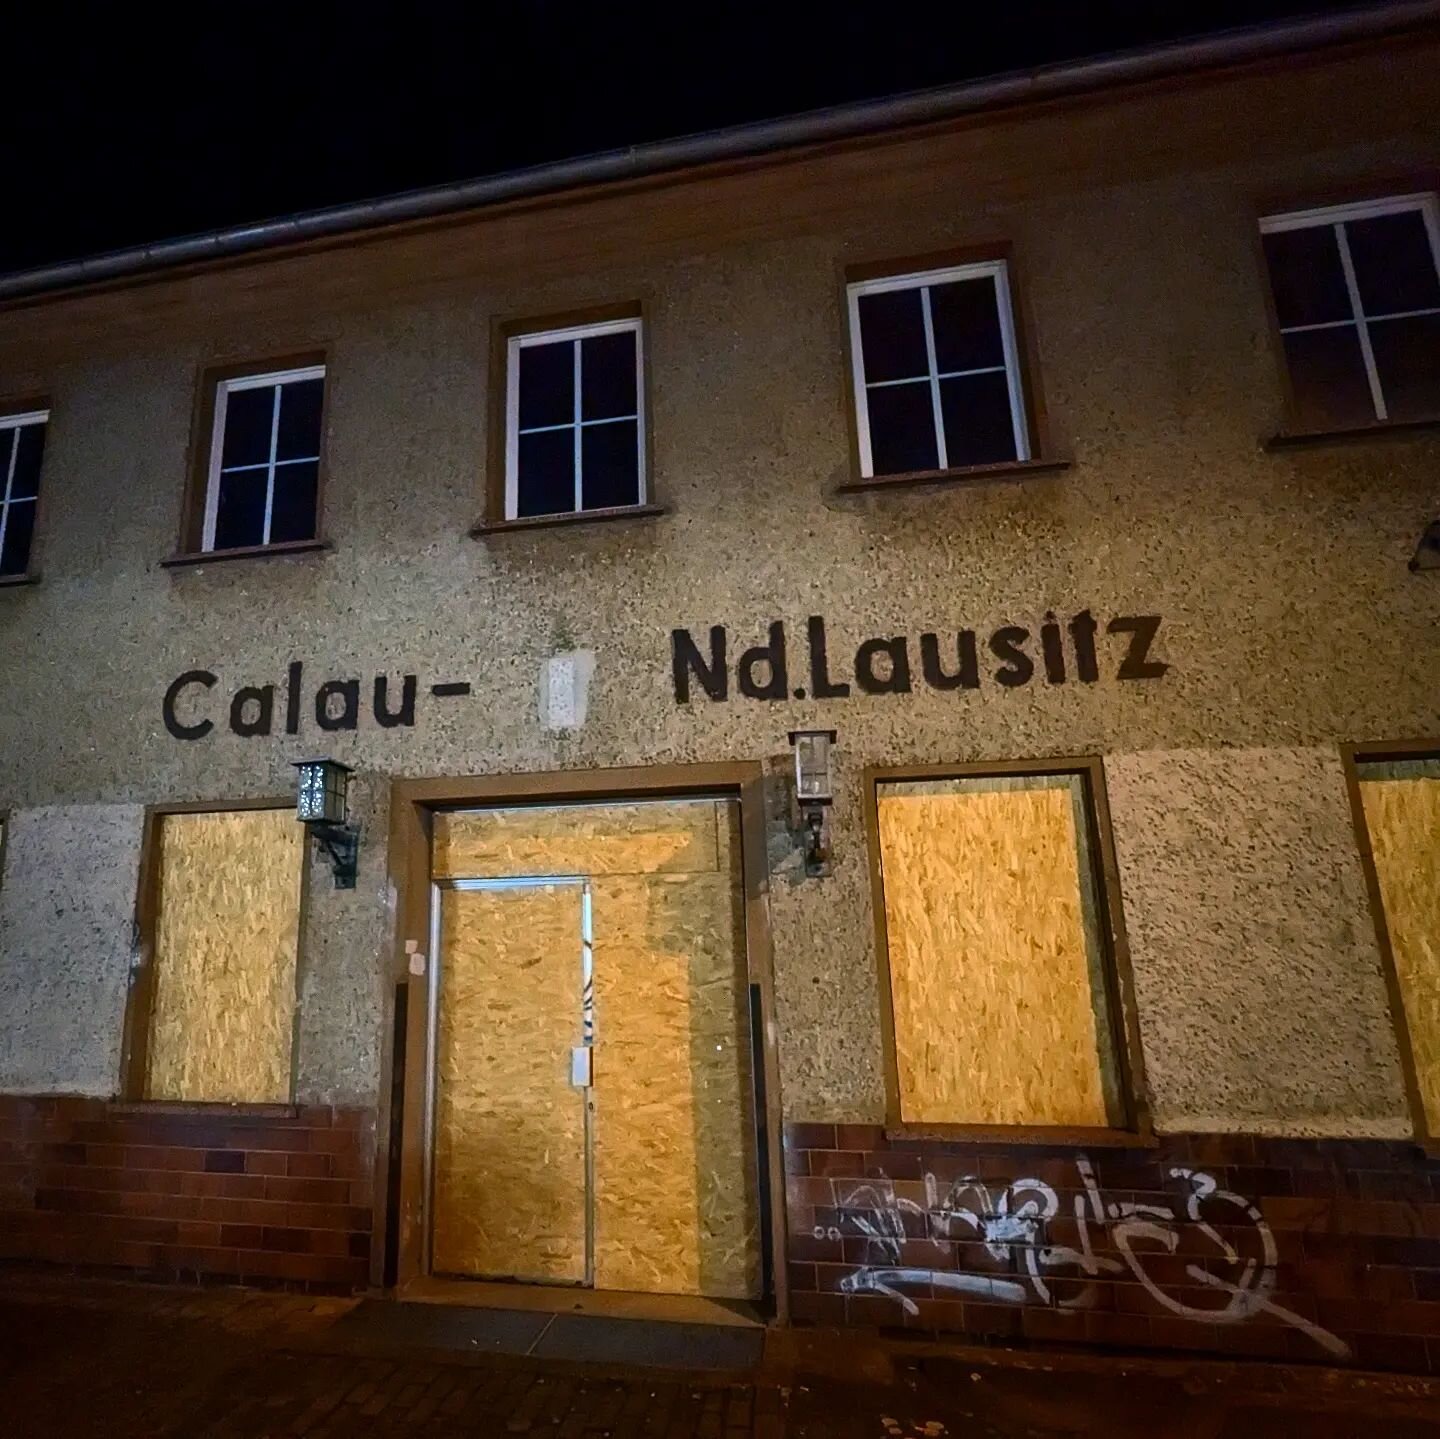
(996,270)
(575,334)
(223,390)
(7,497)
(1334,217)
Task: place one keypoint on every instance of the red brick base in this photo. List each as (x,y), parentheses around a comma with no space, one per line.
(254,1196)
(1286,1249)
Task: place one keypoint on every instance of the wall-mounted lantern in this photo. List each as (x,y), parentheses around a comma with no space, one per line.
(1427,552)
(321,805)
(814,794)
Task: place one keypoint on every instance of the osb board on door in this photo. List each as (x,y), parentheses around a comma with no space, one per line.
(675,1184)
(509,1142)
(227,933)
(994,979)
(1402,814)
(678,837)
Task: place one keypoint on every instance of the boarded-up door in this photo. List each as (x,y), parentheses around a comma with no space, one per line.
(509,1193)
(672,1200)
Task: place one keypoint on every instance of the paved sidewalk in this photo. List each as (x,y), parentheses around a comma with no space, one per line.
(116,1361)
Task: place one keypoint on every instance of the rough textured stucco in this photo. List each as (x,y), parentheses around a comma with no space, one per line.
(67,907)
(1257,972)
(1289,618)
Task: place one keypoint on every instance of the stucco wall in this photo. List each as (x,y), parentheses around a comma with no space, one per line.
(1290,622)
(67,910)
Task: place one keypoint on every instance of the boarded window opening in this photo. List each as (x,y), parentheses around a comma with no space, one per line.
(999,988)
(1401,801)
(227,935)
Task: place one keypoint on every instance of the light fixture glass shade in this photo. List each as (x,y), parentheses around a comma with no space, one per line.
(813,784)
(320,792)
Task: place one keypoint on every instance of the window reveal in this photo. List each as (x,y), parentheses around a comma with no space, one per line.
(264,474)
(1357,299)
(936,371)
(574,420)
(998,987)
(22,449)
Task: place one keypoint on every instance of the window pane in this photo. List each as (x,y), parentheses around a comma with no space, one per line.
(1407,355)
(240,514)
(248,418)
(1394,265)
(19,530)
(997,967)
(300,405)
(892,335)
(607,376)
(227,932)
(547,384)
(1306,276)
(1327,376)
(31,442)
(7,443)
(610,465)
(292,509)
(902,429)
(966,322)
(978,426)
(547,473)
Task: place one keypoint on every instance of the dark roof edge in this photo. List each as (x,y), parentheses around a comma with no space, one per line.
(733,143)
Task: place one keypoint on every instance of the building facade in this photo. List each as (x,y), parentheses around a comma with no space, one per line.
(1065,459)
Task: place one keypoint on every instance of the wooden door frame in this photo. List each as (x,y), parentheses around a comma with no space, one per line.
(399,1185)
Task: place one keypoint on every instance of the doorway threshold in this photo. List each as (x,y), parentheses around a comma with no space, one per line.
(563,1299)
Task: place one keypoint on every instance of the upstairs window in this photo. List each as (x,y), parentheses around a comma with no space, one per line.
(22,447)
(936,371)
(263,483)
(575,420)
(1357,300)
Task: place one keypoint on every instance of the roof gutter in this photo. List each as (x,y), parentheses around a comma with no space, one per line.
(737,142)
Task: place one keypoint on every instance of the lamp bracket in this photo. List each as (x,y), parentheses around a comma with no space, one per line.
(341,844)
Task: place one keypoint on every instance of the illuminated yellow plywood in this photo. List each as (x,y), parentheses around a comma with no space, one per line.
(678,837)
(992,978)
(509,1142)
(675,1192)
(1403,817)
(226,938)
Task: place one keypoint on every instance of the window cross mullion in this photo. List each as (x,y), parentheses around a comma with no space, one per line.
(9,485)
(579,432)
(270,468)
(1362,328)
(933,366)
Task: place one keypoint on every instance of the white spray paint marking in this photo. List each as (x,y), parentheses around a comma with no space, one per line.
(1011,1223)
(565,689)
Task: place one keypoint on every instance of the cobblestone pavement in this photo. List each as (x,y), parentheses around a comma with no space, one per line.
(81,1358)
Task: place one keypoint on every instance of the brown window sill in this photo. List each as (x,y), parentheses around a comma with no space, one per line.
(248,552)
(1388,430)
(573,517)
(198,1107)
(27,579)
(1008,470)
(1006,1134)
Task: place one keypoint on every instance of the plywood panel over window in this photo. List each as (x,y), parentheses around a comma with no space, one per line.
(996,964)
(227,933)
(1402,814)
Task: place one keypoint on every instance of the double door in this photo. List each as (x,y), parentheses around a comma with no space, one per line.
(591,1093)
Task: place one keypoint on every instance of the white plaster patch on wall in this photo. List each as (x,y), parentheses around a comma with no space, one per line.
(565,689)
(1261,999)
(67,913)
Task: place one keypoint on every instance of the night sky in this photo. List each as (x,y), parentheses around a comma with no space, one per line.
(119,128)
